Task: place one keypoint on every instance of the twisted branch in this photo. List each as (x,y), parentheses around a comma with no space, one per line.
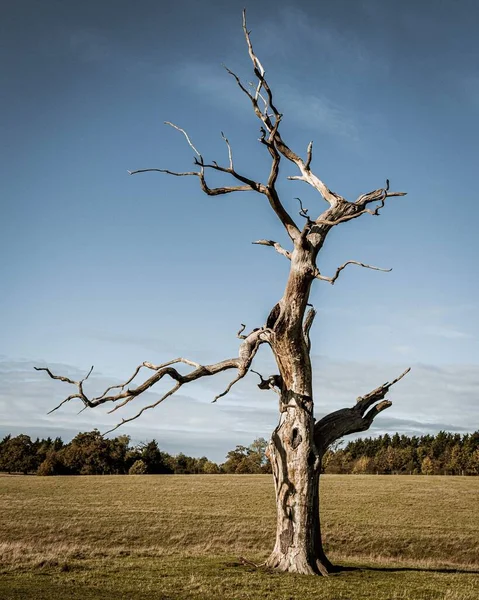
(79,384)
(308,322)
(346,211)
(246,354)
(273,382)
(333,279)
(303,212)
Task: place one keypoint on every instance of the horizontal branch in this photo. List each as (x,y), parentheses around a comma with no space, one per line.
(377,195)
(275,245)
(333,279)
(358,418)
(247,352)
(206,189)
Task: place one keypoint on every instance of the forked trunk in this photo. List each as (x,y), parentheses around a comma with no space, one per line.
(298,547)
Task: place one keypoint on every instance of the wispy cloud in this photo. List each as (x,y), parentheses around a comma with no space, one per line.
(323,44)
(150,343)
(403,349)
(443,310)
(317,112)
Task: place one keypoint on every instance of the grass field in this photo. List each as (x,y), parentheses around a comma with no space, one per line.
(178,537)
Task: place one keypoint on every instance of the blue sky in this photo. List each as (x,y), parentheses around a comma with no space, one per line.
(101,268)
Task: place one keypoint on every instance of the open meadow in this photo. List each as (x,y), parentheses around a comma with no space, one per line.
(177,537)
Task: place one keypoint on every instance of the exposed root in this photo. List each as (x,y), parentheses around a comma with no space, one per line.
(250,563)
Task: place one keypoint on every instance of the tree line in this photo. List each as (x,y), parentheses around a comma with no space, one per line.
(440,454)
(89,453)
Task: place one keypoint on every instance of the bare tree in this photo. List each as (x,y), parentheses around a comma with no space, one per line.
(299,441)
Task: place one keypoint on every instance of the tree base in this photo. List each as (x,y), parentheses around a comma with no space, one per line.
(298,563)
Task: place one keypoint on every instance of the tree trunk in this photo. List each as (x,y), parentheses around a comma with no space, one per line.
(296,466)
(295,460)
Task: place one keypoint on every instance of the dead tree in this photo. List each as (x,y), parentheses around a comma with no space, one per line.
(299,441)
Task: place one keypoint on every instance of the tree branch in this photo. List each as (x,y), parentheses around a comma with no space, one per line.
(250,184)
(346,211)
(353,210)
(355,419)
(247,352)
(308,321)
(200,174)
(377,195)
(240,334)
(282,147)
(273,382)
(309,155)
(365,402)
(303,212)
(79,385)
(271,192)
(275,245)
(230,154)
(332,279)
(190,144)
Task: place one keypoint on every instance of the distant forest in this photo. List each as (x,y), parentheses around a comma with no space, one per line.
(91,454)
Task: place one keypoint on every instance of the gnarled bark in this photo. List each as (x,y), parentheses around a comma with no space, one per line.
(299,442)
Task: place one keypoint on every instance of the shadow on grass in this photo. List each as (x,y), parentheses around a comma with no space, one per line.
(448,570)
(340,569)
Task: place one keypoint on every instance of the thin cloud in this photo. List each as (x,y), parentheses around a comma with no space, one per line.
(446,332)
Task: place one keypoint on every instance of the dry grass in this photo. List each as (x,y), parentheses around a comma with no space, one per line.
(180,537)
